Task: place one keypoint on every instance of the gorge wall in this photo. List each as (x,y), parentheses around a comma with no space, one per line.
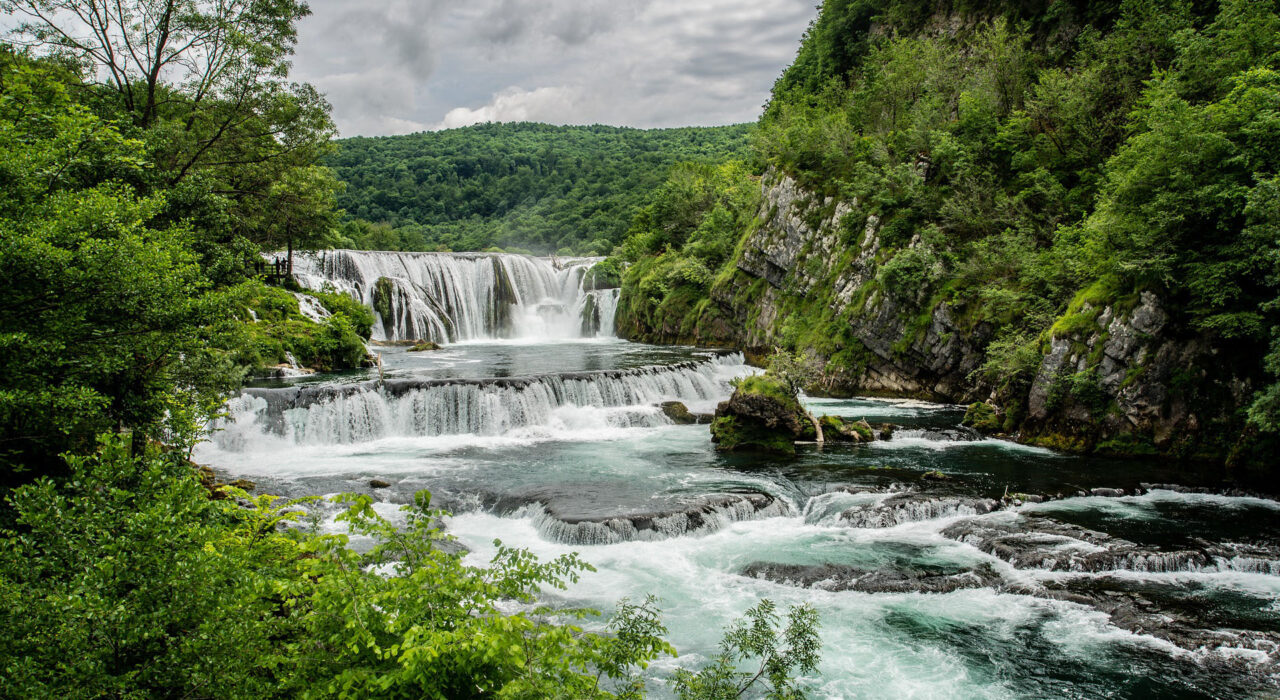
(1112,375)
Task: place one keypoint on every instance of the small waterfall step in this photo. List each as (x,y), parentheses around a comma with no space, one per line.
(371,410)
(699,515)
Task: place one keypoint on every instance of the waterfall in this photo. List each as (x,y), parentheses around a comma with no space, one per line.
(708,515)
(448,297)
(373,410)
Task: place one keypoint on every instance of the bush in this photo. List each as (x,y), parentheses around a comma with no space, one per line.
(127,580)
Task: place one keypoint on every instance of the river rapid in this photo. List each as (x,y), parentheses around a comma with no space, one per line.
(1024,574)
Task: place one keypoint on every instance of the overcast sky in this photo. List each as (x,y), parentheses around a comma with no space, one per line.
(398,66)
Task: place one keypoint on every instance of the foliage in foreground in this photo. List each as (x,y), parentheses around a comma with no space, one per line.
(127,580)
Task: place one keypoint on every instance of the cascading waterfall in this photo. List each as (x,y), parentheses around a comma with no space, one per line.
(405,408)
(709,516)
(448,297)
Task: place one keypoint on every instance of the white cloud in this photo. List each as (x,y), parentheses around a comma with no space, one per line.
(545,104)
(391,66)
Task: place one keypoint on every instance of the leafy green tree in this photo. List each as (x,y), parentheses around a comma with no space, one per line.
(204,84)
(101,301)
(528,186)
(127,580)
(779,655)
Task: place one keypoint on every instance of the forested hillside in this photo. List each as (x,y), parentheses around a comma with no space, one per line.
(1066,211)
(547,189)
(150,154)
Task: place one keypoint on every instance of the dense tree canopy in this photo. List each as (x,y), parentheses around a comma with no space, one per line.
(1017,156)
(528,186)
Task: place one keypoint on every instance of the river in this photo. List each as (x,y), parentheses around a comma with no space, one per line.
(535,426)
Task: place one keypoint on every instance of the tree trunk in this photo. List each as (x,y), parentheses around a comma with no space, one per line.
(817,427)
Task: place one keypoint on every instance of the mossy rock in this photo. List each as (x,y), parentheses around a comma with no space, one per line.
(983,418)
(243,484)
(731,434)
(378,484)
(383,294)
(424,346)
(837,429)
(762,416)
(678,413)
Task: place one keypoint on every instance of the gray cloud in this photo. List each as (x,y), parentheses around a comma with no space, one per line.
(391,66)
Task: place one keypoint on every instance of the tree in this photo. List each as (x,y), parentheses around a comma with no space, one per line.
(302,211)
(102,302)
(795,370)
(211,48)
(204,84)
(780,655)
(128,580)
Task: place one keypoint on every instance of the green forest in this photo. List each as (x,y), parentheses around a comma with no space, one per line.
(1024,165)
(1030,171)
(133,213)
(568,190)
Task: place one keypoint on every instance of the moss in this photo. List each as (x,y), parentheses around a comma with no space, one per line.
(1081,316)
(1060,442)
(1128,445)
(983,417)
(764,385)
(732,434)
(426,346)
(383,296)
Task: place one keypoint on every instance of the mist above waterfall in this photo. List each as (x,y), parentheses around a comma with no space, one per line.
(451,297)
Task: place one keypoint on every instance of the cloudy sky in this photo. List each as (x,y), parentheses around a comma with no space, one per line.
(398,66)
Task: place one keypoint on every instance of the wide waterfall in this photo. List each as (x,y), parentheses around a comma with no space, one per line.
(448,297)
(432,407)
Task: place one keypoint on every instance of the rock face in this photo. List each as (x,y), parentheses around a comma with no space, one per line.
(809,247)
(760,417)
(1130,378)
(1131,381)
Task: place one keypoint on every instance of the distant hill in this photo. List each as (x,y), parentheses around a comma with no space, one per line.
(527,186)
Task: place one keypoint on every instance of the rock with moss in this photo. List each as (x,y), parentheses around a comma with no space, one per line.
(837,429)
(383,300)
(424,346)
(678,413)
(984,418)
(762,416)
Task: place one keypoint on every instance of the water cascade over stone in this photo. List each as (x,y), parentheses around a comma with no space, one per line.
(372,410)
(449,297)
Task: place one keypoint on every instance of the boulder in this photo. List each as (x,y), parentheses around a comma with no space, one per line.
(378,484)
(678,413)
(837,429)
(243,484)
(984,418)
(762,416)
(424,346)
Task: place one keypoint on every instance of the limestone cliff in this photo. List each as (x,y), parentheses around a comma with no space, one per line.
(1114,375)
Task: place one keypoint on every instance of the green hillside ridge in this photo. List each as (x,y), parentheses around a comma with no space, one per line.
(1068,210)
(535,187)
